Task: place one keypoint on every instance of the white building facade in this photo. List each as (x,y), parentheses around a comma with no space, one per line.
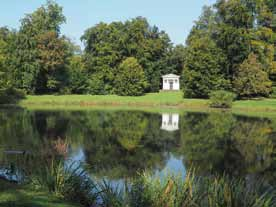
(170,122)
(171,82)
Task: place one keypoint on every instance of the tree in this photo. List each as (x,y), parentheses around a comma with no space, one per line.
(202,72)
(39,57)
(107,45)
(53,55)
(174,62)
(234,21)
(78,80)
(205,25)
(237,28)
(3,58)
(130,79)
(251,80)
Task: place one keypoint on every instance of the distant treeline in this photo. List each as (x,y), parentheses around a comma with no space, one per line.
(231,47)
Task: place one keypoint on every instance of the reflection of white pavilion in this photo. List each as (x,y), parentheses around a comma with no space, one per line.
(170,122)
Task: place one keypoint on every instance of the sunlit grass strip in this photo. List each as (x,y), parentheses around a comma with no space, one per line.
(160,100)
(151,99)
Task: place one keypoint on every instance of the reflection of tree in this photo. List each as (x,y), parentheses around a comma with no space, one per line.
(118,144)
(218,143)
(130,129)
(16,130)
(251,139)
(203,140)
(29,136)
(51,124)
(124,143)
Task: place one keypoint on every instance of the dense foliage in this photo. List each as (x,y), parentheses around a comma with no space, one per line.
(107,45)
(251,80)
(228,37)
(202,68)
(40,60)
(130,78)
(241,34)
(11,95)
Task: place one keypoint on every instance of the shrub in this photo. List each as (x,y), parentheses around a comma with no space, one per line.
(273,93)
(221,99)
(11,95)
(96,85)
(130,79)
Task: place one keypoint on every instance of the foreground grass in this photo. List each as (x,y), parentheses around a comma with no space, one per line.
(145,190)
(12,195)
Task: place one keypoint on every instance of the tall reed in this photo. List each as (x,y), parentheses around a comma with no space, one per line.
(72,183)
(67,181)
(174,191)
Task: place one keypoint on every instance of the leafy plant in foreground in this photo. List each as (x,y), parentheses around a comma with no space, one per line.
(72,183)
(174,191)
(67,181)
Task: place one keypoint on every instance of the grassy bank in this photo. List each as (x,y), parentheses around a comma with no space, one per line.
(12,195)
(147,190)
(163,100)
(151,99)
(153,192)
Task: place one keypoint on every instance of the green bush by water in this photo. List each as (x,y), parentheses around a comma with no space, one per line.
(221,99)
(11,95)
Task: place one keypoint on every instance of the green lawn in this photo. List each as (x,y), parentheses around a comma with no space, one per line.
(170,98)
(163,99)
(151,101)
(12,195)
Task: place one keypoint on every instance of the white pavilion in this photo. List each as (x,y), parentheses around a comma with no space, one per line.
(171,82)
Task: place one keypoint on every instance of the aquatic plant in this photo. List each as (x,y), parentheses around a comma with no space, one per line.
(174,191)
(69,182)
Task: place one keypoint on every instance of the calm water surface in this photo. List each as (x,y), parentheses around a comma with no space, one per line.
(117,145)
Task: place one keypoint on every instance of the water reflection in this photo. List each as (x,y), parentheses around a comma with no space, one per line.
(117,145)
(170,122)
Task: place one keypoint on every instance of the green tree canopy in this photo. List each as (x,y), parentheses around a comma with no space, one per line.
(130,78)
(236,28)
(202,72)
(40,53)
(107,45)
(251,80)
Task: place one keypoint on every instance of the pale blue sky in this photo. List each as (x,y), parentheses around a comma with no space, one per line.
(176,17)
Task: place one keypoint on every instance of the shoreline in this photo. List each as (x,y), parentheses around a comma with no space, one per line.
(159,102)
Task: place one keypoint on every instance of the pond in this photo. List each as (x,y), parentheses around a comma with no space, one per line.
(116,145)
